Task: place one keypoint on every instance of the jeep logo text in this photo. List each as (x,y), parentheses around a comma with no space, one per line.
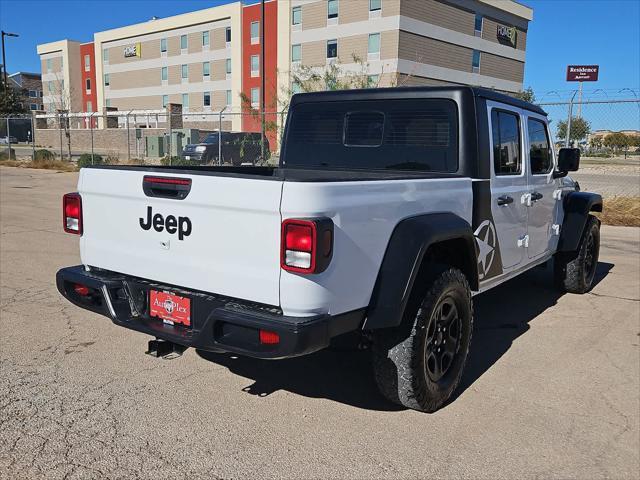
(182,225)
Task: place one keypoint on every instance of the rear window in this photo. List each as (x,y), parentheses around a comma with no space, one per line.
(411,134)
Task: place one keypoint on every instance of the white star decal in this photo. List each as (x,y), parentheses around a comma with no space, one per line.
(485,236)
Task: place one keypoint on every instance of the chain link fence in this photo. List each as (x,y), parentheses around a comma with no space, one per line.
(586,124)
(172,136)
(151,137)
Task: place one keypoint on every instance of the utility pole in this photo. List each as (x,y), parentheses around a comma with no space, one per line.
(4,59)
(262,80)
(579,99)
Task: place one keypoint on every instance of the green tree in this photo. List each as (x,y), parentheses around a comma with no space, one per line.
(580,128)
(306,79)
(527,95)
(618,141)
(11,101)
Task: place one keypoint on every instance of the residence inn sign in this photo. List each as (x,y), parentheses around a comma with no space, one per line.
(582,73)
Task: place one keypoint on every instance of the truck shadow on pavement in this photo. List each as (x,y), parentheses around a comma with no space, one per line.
(344,374)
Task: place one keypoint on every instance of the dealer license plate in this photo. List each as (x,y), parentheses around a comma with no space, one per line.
(170,308)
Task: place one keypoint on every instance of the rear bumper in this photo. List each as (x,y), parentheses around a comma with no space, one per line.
(217,323)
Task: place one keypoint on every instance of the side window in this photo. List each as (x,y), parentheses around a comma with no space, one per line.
(505,131)
(539,148)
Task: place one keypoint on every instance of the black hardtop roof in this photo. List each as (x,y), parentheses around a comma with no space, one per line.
(411,93)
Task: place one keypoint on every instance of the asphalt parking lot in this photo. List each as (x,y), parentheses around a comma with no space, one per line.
(551,391)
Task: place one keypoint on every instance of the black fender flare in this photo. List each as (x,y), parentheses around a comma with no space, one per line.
(577,206)
(402,260)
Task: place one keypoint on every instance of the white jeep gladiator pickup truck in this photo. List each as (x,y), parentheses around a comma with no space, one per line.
(389,210)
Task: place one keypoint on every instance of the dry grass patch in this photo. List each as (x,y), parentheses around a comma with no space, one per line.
(42,164)
(622,211)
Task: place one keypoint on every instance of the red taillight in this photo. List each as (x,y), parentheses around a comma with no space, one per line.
(269,338)
(306,245)
(72,213)
(299,237)
(81,289)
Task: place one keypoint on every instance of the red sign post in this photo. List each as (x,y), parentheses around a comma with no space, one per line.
(582,73)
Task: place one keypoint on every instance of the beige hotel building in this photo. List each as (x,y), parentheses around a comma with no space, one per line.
(205,59)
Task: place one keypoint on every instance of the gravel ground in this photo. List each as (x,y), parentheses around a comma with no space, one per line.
(552,389)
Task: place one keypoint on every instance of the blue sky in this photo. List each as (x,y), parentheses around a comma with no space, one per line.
(604,32)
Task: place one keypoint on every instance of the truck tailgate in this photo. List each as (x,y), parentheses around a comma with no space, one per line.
(224,239)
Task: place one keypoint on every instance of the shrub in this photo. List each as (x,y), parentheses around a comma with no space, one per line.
(7,155)
(44,154)
(85,160)
(175,161)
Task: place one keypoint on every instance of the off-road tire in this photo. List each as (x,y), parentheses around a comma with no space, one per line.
(402,355)
(574,272)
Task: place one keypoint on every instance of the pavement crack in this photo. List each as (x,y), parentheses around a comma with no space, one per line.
(614,296)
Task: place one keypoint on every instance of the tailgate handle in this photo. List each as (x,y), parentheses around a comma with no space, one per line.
(166,187)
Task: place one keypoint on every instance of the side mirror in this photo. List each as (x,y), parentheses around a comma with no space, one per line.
(568,161)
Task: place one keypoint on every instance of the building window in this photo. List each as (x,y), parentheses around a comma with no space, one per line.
(49,65)
(373,80)
(41,107)
(207,99)
(87,63)
(255,32)
(295,88)
(206,66)
(505,132)
(255,65)
(88,84)
(332,8)
(375,5)
(33,106)
(165,74)
(163,45)
(475,61)
(105,55)
(185,71)
(89,106)
(478,24)
(185,100)
(228,66)
(228,34)
(332,48)
(296,16)
(107,102)
(165,101)
(228,97)
(205,39)
(41,94)
(50,86)
(374,44)
(296,53)
(183,42)
(255,97)
(33,93)
(106,80)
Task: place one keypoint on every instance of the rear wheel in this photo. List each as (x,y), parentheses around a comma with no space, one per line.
(419,364)
(575,273)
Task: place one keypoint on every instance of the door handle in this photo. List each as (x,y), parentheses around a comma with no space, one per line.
(505,200)
(535,196)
